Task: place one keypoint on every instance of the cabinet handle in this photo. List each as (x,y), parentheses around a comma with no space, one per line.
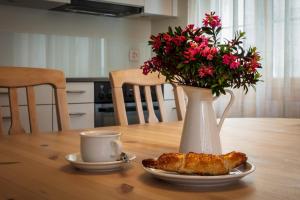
(76,91)
(3,93)
(6,117)
(76,114)
(174,108)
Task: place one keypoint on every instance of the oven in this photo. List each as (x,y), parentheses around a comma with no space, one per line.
(104,109)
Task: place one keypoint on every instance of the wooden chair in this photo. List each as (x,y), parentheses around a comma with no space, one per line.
(15,77)
(136,78)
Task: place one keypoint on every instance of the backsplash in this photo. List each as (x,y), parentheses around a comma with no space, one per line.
(81,45)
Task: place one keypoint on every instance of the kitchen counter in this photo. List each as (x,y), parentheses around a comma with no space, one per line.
(87,79)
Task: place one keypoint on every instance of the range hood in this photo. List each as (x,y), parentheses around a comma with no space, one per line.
(91,7)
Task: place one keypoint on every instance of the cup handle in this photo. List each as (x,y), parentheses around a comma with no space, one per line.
(226,109)
(117,145)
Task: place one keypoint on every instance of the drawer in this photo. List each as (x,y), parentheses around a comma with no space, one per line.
(81,92)
(23,116)
(81,116)
(43,95)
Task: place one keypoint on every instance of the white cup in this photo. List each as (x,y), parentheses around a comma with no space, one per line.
(100,146)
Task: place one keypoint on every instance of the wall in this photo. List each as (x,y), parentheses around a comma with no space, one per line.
(161,25)
(21,27)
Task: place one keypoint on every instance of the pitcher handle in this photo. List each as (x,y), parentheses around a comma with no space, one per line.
(226,109)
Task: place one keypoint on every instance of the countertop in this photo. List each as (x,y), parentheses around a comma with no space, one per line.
(87,79)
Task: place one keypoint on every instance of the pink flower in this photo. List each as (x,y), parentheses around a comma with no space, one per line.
(231,60)
(156,42)
(234,65)
(205,71)
(190,54)
(178,40)
(153,65)
(211,20)
(146,67)
(205,51)
(210,57)
(167,37)
(167,48)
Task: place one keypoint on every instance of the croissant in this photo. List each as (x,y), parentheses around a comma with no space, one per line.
(197,163)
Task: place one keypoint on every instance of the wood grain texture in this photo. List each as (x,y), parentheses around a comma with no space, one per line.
(32,109)
(151,114)
(138,102)
(15,127)
(272,145)
(179,101)
(63,117)
(15,77)
(1,123)
(136,78)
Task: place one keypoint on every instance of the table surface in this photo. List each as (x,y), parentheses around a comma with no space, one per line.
(34,167)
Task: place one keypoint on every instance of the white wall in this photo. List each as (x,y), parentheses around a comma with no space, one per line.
(161,25)
(118,35)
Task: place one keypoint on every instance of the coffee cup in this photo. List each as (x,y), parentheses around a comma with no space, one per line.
(100,146)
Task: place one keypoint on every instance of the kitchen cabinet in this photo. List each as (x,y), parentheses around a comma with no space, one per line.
(126,2)
(80,98)
(81,116)
(160,7)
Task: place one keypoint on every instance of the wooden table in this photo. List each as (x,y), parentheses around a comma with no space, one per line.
(33,166)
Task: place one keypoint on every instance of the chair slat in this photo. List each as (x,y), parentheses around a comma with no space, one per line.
(1,123)
(32,109)
(151,114)
(16,126)
(63,119)
(160,99)
(138,102)
(180,102)
(119,106)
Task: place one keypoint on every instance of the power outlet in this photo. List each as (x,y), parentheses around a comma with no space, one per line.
(134,55)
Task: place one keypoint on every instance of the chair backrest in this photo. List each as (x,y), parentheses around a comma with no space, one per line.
(16,77)
(137,79)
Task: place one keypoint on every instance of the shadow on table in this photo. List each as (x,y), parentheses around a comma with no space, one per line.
(72,170)
(154,182)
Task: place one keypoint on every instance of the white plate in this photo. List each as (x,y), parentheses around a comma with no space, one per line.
(197,180)
(76,161)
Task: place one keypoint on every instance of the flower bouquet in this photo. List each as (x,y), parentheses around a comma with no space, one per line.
(195,56)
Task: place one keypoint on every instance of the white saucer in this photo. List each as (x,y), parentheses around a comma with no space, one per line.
(197,180)
(76,161)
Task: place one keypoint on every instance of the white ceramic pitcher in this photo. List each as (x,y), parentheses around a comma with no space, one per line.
(201,131)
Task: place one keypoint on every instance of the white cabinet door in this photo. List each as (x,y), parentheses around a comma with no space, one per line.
(44,117)
(168,92)
(161,7)
(126,2)
(23,116)
(81,116)
(80,92)
(44,94)
(171,110)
